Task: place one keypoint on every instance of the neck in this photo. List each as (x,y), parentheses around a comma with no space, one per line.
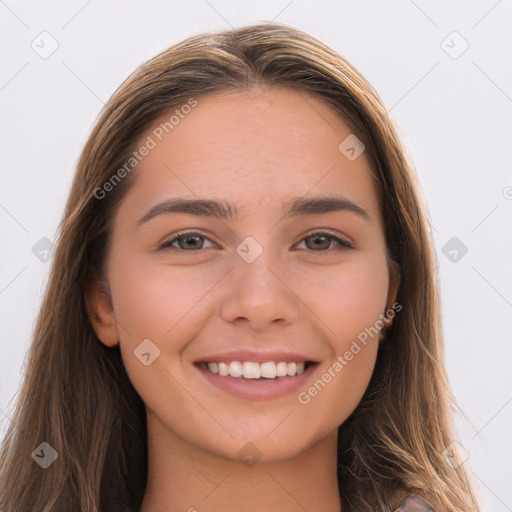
(186,478)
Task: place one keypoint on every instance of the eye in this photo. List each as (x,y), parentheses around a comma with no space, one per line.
(321,241)
(193,241)
(188,241)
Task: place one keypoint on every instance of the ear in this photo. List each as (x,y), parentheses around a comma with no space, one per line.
(394,283)
(101,313)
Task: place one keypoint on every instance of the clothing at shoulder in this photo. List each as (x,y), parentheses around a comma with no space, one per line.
(413,503)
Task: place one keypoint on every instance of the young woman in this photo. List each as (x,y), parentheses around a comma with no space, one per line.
(242,311)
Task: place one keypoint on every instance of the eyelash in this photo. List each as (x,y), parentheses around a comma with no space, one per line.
(343,243)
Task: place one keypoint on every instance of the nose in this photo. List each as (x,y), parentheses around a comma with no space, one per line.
(259,294)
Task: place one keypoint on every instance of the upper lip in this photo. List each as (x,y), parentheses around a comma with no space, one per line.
(257,357)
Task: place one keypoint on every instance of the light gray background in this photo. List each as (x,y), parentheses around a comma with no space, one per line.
(453,109)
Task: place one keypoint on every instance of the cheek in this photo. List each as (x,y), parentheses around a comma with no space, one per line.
(348,298)
(151,299)
(165,305)
(349,303)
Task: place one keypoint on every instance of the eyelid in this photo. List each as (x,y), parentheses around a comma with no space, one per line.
(343,243)
(166,243)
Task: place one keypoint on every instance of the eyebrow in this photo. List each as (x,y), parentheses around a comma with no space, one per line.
(224,210)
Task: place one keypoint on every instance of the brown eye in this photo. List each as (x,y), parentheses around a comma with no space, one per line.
(318,242)
(190,242)
(186,241)
(323,242)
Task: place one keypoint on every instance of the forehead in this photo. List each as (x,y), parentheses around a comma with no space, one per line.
(254,148)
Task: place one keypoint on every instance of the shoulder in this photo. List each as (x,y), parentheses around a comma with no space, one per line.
(413,503)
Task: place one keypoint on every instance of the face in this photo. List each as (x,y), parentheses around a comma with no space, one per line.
(281,278)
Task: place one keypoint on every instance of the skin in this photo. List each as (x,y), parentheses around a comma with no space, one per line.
(257,149)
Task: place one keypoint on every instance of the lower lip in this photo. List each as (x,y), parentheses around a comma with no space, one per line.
(256,389)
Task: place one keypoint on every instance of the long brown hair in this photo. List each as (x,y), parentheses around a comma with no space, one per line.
(76,395)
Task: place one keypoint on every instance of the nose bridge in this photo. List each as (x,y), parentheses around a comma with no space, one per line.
(259,275)
(256,269)
(257,288)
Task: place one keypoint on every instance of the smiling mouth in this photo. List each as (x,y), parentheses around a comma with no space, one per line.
(250,370)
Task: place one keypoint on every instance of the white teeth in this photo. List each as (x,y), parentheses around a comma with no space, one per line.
(281,369)
(223,369)
(235,369)
(251,370)
(268,370)
(291,369)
